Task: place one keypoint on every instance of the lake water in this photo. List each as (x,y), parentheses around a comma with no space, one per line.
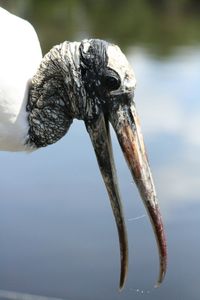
(57,233)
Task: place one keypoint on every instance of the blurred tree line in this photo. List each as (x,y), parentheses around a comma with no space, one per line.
(159,24)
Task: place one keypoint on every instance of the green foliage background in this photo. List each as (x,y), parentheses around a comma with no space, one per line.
(157,24)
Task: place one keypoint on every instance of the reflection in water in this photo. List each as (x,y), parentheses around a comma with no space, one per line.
(58,237)
(171,118)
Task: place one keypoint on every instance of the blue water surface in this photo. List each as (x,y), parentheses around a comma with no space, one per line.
(57,232)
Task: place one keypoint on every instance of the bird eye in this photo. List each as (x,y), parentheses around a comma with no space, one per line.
(111,83)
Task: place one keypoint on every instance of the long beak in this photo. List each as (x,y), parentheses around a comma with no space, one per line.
(127,127)
(100,137)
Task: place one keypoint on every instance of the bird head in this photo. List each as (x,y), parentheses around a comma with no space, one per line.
(99,89)
(108,79)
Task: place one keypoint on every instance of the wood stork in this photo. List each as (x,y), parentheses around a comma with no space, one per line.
(89,80)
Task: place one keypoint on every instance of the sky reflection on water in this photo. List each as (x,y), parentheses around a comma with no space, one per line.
(170,109)
(58,236)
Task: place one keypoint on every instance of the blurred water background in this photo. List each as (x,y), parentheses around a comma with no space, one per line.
(57,233)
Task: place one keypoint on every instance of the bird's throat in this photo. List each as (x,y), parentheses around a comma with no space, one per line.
(56,95)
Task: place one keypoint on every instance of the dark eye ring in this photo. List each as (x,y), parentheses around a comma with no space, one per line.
(111,83)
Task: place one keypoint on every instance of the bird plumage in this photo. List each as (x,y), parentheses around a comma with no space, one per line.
(20,56)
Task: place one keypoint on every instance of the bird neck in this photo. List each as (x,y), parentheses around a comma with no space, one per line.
(56,95)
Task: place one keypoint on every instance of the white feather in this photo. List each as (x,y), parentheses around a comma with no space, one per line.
(20,55)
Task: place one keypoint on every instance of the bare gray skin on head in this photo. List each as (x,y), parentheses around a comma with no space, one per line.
(93,81)
(54,95)
(68,73)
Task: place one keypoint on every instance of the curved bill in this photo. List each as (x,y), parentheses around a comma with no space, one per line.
(100,137)
(126,125)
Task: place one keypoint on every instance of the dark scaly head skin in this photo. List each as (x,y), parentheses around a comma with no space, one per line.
(94,82)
